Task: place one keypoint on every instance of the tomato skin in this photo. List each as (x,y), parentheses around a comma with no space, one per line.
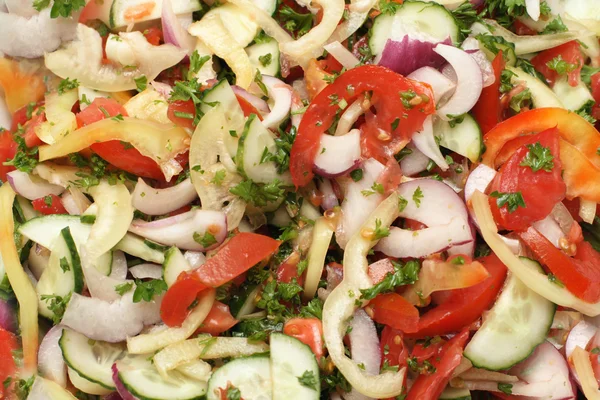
(463,306)
(247,107)
(55,207)
(422,353)
(309,331)
(288,270)
(429,387)
(8,344)
(522,29)
(394,310)
(488,109)
(175,305)
(541,190)
(386,86)
(595,81)
(393,349)
(234,258)
(218,320)
(20,119)
(180,106)
(580,275)
(8,149)
(570,52)
(153,35)
(93,112)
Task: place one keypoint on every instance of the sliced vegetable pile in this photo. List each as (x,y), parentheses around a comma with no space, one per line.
(263,199)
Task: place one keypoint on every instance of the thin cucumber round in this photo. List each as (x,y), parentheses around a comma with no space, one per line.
(265,57)
(175,263)
(250,375)
(464,138)
(515,326)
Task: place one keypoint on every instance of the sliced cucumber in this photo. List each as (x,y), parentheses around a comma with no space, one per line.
(515,326)
(255,142)
(86,386)
(455,394)
(142,379)
(428,21)
(138,247)
(175,263)
(244,302)
(292,360)
(573,98)
(62,276)
(541,95)
(265,57)
(91,359)
(464,138)
(121,11)
(507,48)
(251,375)
(223,93)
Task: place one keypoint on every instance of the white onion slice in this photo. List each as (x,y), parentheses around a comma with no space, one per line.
(365,348)
(425,142)
(256,101)
(533,9)
(424,242)
(100,286)
(50,359)
(145,271)
(31,187)
(550,229)
(281,95)
(118,269)
(415,162)
(338,154)
(441,85)
(110,321)
(358,13)
(580,335)
(351,115)
(469,81)
(179,230)
(194,258)
(342,55)
(173,31)
(330,200)
(297,108)
(479,179)
(587,210)
(162,201)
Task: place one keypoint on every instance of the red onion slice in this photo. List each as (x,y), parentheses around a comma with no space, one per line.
(145,271)
(441,85)
(330,200)
(410,54)
(173,32)
(162,201)
(424,242)
(31,187)
(121,389)
(7,317)
(338,154)
(469,81)
(414,163)
(425,142)
(51,363)
(563,217)
(181,229)
(280,94)
(163,89)
(580,335)
(256,101)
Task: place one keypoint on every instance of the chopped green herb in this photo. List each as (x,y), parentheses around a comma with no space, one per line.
(511,200)
(67,85)
(123,288)
(148,289)
(206,240)
(308,380)
(538,157)
(141,83)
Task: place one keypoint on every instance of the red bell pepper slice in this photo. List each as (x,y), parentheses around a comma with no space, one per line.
(463,306)
(580,275)
(218,320)
(487,110)
(394,310)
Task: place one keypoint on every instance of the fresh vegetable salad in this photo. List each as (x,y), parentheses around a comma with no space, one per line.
(310,199)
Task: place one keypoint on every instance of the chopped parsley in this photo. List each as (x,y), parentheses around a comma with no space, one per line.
(196,63)
(560,66)
(67,85)
(505,387)
(295,22)
(64,264)
(123,288)
(141,83)
(265,59)
(259,194)
(148,289)
(538,157)
(219,177)
(511,200)
(404,274)
(520,100)
(60,8)
(206,240)
(380,231)
(555,26)
(388,7)
(417,196)
(308,380)
(57,305)
(356,175)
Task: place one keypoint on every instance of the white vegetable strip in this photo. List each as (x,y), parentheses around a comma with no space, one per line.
(425,142)
(550,229)
(342,55)
(583,367)
(144,271)
(440,84)
(162,201)
(338,154)
(50,360)
(31,187)
(322,234)
(44,389)
(154,341)
(5,116)
(534,279)
(281,95)
(351,115)
(60,120)
(580,336)
(118,268)
(358,13)
(415,162)
(340,306)
(587,210)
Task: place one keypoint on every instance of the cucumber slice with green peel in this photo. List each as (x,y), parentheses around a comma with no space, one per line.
(465,138)
(121,10)
(138,247)
(294,369)
(223,94)
(85,385)
(244,302)
(428,21)
(265,57)
(141,378)
(573,98)
(250,375)
(455,394)
(515,326)
(62,276)
(175,263)
(91,359)
(255,144)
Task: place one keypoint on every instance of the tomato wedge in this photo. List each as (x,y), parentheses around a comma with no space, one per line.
(569,52)
(49,205)
(580,275)
(429,387)
(388,89)
(218,320)
(395,311)
(238,255)
(309,331)
(463,306)
(393,350)
(487,110)
(8,344)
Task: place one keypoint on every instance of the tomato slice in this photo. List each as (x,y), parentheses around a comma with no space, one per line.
(8,344)
(218,320)
(388,88)
(429,387)
(463,306)
(540,189)
(487,110)
(580,275)
(393,350)
(8,149)
(153,35)
(288,270)
(182,113)
(309,331)
(49,205)
(422,352)
(181,295)
(394,310)
(570,52)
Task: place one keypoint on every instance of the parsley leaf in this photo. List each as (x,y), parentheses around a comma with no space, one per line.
(403,275)
(356,175)
(314,308)
(196,63)
(556,26)
(56,304)
(538,157)
(123,288)
(417,196)
(561,66)
(66,85)
(148,289)
(505,81)
(258,194)
(64,264)
(505,387)
(388,7)
(233,393)
(265,59)
(141,83)
(206,240)
(25,158)
(519,101)
(380,232)
(308,380)
(60,8)
(219,177)
(511,200)
(294,22)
